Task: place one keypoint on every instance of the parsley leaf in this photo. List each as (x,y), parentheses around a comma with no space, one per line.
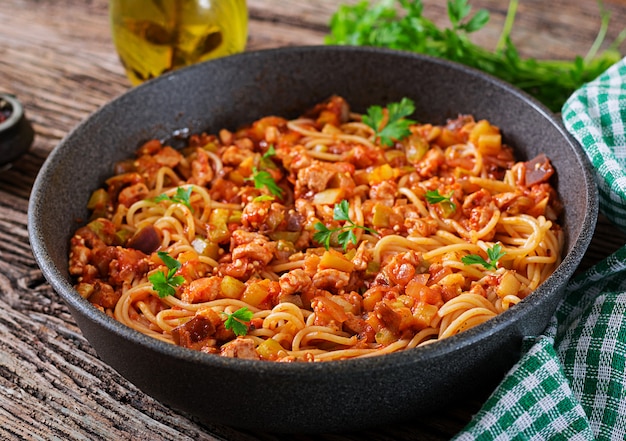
(341,212)
(236,321)
(345,237)
(182,196)
(323,234)
(434,197)
(165,283)
(263,179)
(263,198)
(269,153)
(266,161)
(493,254)
(396,126)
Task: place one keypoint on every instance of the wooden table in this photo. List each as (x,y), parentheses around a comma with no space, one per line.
(56,56)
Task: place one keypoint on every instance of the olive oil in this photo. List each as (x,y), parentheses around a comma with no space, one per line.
(156,36)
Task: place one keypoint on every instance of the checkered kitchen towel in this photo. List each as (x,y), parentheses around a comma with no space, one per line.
(570,383)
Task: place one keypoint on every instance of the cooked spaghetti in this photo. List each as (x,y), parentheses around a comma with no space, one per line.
(319,238)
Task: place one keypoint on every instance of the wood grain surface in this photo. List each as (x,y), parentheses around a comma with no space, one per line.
(56,56)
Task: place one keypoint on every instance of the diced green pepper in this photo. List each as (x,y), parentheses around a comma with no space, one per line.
(372,269)
(235,217)
(105,230)
(122,236)
(218,225)
(98,203)
(206,248)
(286,236)
(447,208)
(415,148)
(231,287)
(381,215)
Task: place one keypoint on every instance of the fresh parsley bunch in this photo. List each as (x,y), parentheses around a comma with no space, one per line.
(382,24)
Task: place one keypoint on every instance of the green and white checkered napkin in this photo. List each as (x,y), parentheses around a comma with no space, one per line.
(570,383)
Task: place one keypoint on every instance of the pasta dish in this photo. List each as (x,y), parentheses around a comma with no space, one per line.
(331,236)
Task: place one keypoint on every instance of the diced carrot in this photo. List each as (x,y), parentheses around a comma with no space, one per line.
(382,173)
(490,144)
(423,293)
(256,293)
(423,315)
(371,298)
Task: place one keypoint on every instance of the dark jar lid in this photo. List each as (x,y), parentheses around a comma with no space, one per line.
(16,132)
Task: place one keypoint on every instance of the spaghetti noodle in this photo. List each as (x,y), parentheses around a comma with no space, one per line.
(440,231)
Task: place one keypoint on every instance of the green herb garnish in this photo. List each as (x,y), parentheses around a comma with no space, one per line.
(263,179)
(341,212)
(165,283)
(236,321)
(434,197)
(402,25)
(494,254)
(182,196)
(396,126)
(263,198)
(269,153)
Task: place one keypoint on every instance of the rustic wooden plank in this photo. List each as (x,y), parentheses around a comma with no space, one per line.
(57,57)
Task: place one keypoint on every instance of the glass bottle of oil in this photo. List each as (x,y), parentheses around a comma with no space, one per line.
(156,36)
